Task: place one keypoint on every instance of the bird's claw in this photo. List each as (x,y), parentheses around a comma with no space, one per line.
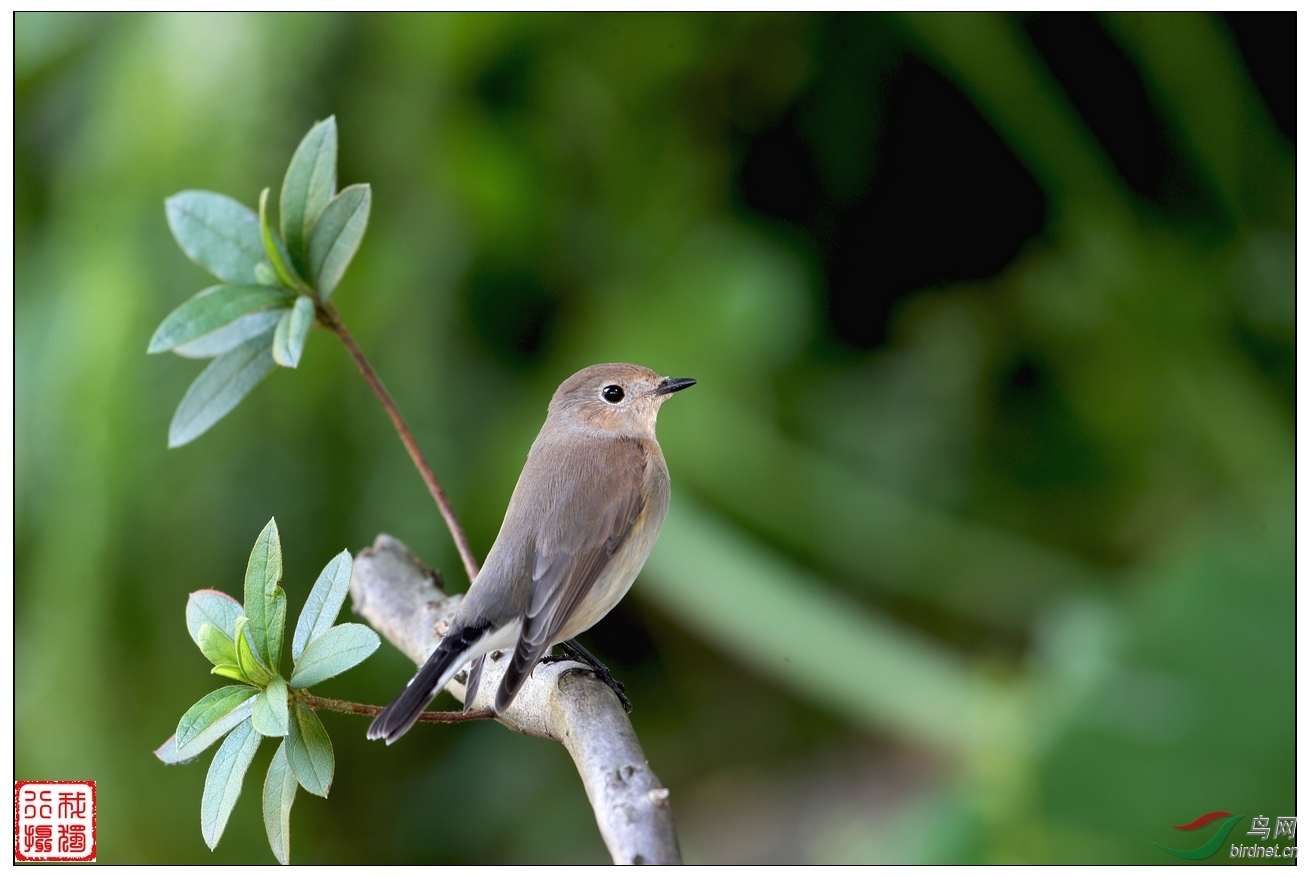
(573,650)
(610,682)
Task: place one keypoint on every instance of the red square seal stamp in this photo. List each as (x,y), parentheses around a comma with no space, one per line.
(54,821)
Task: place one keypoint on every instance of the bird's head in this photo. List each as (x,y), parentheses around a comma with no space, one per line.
(615,398)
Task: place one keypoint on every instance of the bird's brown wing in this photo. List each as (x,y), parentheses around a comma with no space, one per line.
(597,503)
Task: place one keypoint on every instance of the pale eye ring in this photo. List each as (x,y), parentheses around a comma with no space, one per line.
(612,394)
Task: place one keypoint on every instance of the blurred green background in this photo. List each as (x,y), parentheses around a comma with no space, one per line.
(981,547)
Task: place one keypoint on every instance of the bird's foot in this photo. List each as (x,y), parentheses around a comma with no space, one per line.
(574,651)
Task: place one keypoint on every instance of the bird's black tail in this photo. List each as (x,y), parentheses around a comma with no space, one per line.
(444,663)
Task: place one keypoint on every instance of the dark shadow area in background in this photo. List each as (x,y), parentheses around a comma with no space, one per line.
(918,190)
(924,195)
(1107,91)
(511,311)
(1267,41)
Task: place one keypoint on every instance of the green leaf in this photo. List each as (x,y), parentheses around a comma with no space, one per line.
(171,753)
(220,650)
(333,652)
(279,794)
(323,604)
(289,339)
(217,233)
(223,782)
(209,709)
(214,608)
(249,663)
(309,185)
(336,236)
(263,572)
(223,384)
(265,274)
(238,331)
(231,671)
(309,751)
(276,628)
(270,712)
(212,309)
(274,248)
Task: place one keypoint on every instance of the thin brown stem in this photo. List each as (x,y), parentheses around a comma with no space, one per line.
(328,316)
(362,709)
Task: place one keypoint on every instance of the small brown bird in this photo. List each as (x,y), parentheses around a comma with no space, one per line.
(581,523)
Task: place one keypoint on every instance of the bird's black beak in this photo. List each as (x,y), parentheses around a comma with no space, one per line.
(673,385)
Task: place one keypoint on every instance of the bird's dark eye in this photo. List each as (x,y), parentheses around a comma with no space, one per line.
(612,394)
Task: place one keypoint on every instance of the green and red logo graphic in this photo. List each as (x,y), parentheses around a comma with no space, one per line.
(1210,847)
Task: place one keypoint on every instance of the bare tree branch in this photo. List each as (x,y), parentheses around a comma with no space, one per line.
(400,598)
(331,704)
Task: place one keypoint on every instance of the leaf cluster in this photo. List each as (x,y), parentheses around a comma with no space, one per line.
(274,281)
(244,643)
